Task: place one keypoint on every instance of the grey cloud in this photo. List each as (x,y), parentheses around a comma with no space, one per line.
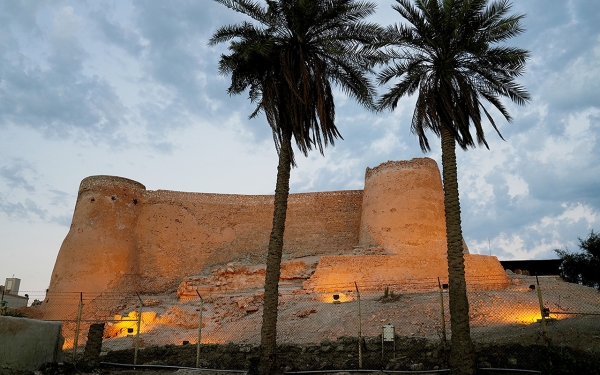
(15,175)
(22,13)
(177,56)
(564,45)
(42,100)
(22,210)
(62,220)
(57,98)
(61,198)
(116,34)
(33,207)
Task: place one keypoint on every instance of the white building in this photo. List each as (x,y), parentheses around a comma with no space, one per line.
(9,296)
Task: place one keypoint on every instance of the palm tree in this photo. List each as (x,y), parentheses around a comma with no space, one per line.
(448,52)
(288,60)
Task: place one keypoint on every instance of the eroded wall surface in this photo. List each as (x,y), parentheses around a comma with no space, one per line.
(182,234)
(406,274)
(126,238)
(403,209)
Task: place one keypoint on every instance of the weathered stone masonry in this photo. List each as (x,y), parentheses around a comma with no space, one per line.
(126,237)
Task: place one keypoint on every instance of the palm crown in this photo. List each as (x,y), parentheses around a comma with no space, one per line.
(290,59)
(447,52)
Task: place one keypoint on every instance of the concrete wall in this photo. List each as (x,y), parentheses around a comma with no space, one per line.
(26,344)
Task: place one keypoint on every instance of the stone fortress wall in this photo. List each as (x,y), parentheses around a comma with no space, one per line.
(124,237)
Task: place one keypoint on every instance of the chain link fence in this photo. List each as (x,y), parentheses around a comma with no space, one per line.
(549,313)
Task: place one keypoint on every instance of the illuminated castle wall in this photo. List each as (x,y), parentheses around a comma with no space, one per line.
(124,236)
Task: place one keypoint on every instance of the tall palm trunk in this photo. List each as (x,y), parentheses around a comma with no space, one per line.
(268,334)
(462,355)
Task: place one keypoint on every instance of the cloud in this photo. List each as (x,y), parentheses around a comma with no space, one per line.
(17,175)
(62,220)
(116,34)
(51,93)
(26,210)
(60,198)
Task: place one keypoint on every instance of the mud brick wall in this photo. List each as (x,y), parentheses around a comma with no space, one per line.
(182,234)
(120,230)
(124,238)
(403,208)
(405,274)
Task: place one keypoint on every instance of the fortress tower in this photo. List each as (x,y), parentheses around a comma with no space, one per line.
(100,248)
(403,209)
(126,238)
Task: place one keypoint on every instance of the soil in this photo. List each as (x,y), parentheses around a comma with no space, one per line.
(501,320)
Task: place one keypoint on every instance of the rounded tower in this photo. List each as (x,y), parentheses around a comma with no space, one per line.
(403,209)
(99,252)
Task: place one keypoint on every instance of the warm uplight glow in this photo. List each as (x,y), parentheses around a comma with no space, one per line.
(68,343)
(127,325)
(329,297)
(527,317)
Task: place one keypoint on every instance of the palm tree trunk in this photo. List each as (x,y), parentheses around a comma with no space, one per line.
(462,354)
(268,334)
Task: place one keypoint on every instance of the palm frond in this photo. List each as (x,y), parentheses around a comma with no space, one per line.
(289,58)
(448,52)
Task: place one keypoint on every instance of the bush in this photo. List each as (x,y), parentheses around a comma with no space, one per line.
(582,267)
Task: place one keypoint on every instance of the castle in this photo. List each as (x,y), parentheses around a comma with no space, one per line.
(124,237)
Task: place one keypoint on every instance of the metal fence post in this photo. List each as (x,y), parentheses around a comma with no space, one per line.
(443,313)
(137,334)
(199,330)
(360,359)
(77,326)
(2,303)
(543,312)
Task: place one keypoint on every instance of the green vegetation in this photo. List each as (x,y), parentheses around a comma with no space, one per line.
(287,58)
(447,52)
(582,267)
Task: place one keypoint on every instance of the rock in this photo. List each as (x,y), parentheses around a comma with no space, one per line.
(512,361)
(416,366)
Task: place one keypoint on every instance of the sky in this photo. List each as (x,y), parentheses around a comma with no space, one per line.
(131,88)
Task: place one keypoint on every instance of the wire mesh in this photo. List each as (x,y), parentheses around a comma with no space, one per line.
(508,315)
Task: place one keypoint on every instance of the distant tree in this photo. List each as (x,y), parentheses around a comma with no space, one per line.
(582,267)
(448,51)
(287,58)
